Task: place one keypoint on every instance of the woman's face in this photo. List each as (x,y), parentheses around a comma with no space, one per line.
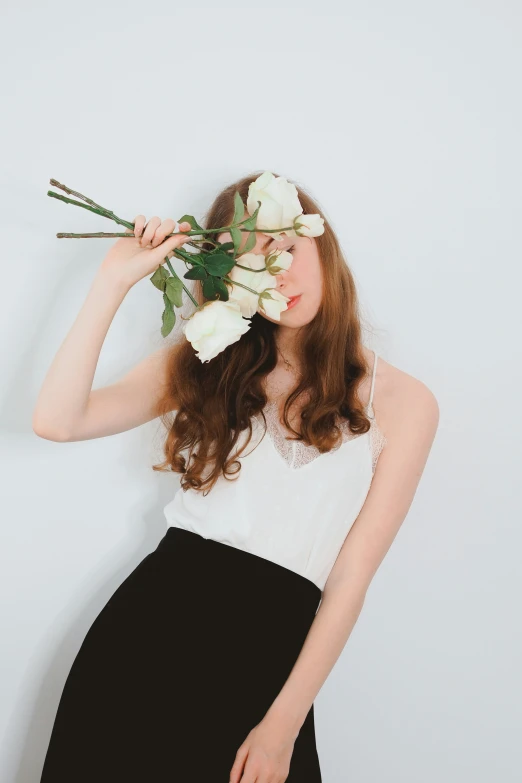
(303,278)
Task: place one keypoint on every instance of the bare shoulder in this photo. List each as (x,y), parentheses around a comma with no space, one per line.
(407,413)
(404,405)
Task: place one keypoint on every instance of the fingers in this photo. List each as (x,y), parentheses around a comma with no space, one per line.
(167,227)
(239,763)
(177,240)
(165,247)
(139,224)
(153,233)
(150,230)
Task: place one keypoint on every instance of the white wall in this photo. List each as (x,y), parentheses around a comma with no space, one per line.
(404,120)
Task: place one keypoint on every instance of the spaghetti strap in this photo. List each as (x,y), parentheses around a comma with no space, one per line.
(370,401)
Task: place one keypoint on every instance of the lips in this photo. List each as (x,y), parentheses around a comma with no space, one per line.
(292,300)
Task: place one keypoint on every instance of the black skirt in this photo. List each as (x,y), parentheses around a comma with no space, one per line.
(182,662)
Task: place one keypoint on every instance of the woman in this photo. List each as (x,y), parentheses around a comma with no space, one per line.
(299,455)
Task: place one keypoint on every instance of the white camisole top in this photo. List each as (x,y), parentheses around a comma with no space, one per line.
(289,503)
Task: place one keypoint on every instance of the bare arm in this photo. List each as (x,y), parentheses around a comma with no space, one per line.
(67,408)
(409,439)
(393,488)
(120,406)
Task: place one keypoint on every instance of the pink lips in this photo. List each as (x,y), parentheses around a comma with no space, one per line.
(293,301)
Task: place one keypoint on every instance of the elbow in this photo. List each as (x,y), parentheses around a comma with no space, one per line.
(48,431)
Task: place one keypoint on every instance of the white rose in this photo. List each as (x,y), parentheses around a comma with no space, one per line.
(215,326)
(259,281)
(279,203)
(279,260)
(309,225)
(273,303)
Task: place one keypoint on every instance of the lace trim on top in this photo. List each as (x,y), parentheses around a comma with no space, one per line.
(377,439)
(296,453)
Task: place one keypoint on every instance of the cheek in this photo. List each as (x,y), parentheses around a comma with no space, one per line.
(310,273)
(315,285)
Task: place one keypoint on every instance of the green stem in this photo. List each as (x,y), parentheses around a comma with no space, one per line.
(92,206)
(96,209)
(108,234)
(104,212)
(79,195)
(248,269)
(236,225)
(241,285)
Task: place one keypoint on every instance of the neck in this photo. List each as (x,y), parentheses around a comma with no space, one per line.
(287,340)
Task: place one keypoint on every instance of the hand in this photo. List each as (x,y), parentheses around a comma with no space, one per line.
(264,756)
(130,260)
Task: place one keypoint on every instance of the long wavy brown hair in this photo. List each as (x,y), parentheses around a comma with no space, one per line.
(207,405)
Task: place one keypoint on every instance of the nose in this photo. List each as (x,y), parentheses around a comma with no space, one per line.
(280,279)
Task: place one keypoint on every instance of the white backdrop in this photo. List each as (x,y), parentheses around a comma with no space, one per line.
(404,120)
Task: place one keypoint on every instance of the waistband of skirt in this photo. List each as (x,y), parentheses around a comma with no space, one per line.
(220,556)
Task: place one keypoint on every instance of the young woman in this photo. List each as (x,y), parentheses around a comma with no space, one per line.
(299,454)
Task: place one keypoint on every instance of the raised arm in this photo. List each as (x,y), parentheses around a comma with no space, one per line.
(67,407)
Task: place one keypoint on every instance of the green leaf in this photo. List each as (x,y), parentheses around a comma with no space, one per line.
(251,241)
(219,264)
(239,208)
(209,290)
(225,246)
(236,235)
(251,222)
(168,317)
(174,291)
(159,278)
(193,222)
(221,289)
(196,273)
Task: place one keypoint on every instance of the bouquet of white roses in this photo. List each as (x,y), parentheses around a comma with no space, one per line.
(235,286)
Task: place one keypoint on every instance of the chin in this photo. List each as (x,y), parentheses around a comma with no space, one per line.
(295,320)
